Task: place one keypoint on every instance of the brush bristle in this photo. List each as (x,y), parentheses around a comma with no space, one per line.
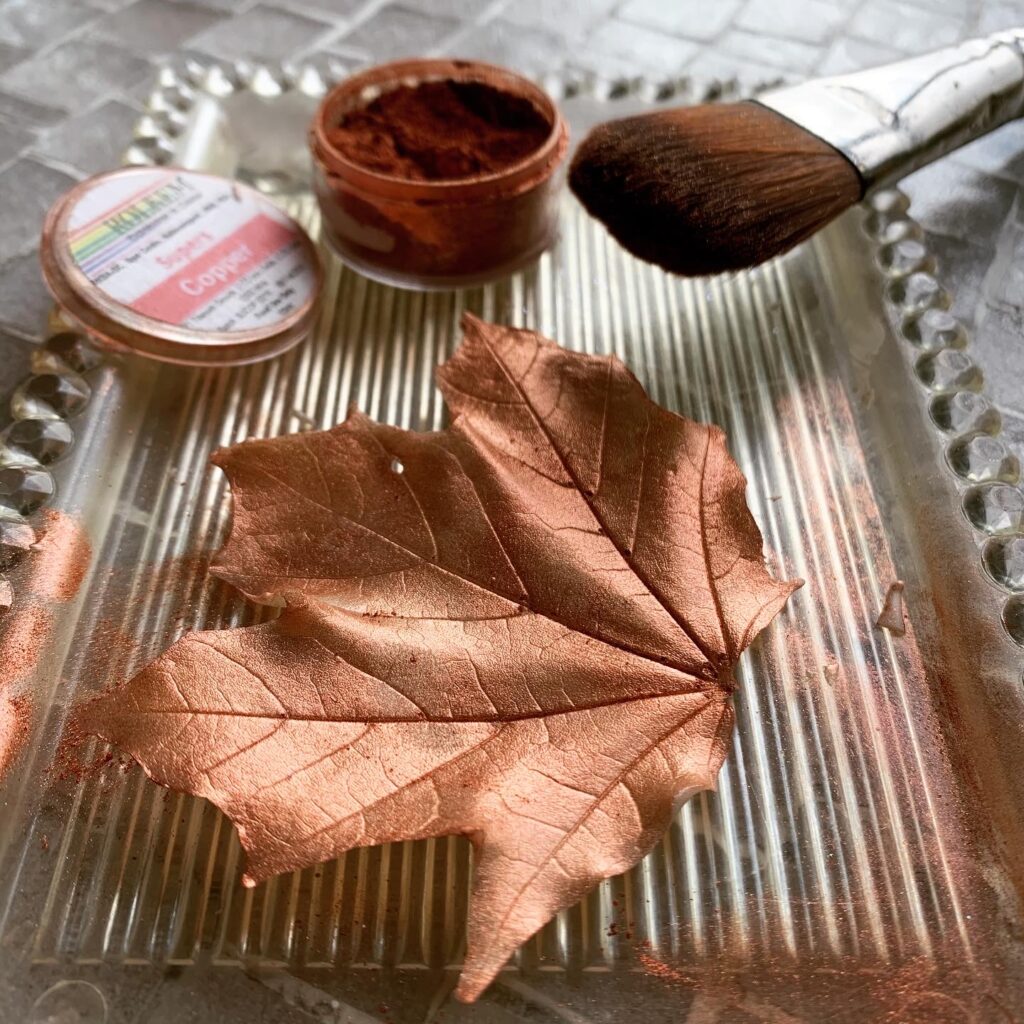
(700,190)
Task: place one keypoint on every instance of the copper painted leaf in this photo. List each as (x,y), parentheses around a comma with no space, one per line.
(521,629)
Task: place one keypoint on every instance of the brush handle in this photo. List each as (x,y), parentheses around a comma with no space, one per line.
(891,120)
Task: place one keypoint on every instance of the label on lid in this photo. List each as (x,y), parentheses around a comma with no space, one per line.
(191,250)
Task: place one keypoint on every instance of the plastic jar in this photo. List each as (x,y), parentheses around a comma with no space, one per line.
(437,233)
(180,266)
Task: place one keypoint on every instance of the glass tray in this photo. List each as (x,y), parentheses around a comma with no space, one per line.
(862,856)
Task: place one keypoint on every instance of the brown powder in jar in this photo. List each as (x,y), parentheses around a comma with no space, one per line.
(441,130)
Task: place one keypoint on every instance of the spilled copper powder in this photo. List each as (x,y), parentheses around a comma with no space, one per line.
(441,131)
(15,716)
(69,762)
(943,989)
(818,667)
(56,567)
(60,559)
(23,641)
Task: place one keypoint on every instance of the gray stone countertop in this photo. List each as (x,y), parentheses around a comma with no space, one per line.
(74,73)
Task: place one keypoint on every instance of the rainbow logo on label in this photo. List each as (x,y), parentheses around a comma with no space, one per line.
(96,243)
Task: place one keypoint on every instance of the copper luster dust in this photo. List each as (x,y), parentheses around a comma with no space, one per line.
(59,561)
(437,173)
(15,717)
(441,130)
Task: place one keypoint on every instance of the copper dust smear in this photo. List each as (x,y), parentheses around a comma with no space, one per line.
(23,640)
(942,989)
(15,716)
(69,763)
(56,567)
(60,558)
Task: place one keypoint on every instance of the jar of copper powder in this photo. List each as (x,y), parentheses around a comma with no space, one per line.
(437,173)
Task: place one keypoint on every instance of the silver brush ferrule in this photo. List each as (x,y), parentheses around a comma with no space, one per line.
(891,120)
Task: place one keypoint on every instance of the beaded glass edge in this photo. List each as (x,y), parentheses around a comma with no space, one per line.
(987,472)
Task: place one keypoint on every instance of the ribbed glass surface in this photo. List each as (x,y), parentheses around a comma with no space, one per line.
(830,840)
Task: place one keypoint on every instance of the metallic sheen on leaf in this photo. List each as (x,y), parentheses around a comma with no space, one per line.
(521,629)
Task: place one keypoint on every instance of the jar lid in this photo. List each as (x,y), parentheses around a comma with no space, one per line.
(180,266)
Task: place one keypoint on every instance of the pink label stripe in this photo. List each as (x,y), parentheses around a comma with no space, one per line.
(176,298)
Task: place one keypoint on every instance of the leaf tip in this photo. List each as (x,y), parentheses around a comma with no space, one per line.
(221,457)
(469,988)
(470,322)
(355,417)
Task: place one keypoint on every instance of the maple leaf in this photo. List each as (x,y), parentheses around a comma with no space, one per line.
(521,629)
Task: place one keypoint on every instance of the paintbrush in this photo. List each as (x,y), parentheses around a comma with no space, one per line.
(717,187)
